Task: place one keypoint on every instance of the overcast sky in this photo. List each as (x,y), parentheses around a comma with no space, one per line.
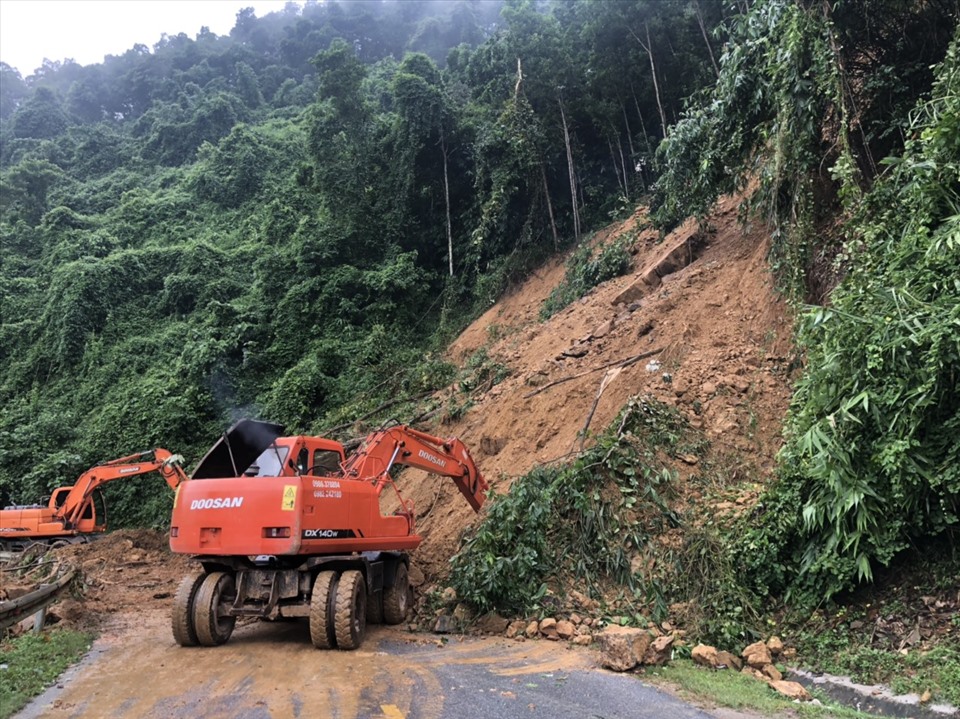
(87,30)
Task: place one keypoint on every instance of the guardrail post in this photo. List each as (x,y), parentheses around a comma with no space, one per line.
(38,620)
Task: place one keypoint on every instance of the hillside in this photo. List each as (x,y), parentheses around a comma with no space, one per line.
(724,340)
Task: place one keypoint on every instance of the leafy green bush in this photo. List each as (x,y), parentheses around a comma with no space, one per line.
(587,519)
(587,268)
(872,460)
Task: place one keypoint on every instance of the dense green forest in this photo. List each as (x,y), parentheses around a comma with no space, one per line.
(291,220)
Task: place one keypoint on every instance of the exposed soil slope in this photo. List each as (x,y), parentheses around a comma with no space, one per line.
(724,340)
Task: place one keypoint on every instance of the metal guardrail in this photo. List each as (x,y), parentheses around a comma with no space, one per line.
(34,602)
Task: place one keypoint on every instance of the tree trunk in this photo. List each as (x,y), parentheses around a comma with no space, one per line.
(616,167)
(626,123)
(546,193)
(706,38)
(446,197)
(623,164)
(571,172)
(653,70)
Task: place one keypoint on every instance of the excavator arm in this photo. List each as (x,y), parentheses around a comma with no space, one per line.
(159,460)
(409,447)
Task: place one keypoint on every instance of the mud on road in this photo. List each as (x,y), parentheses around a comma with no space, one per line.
(271,669)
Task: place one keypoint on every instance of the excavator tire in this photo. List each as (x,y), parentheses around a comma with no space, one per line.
(375,608)
(351,614)
(184,631)
(212,628)
(395,598)
(322,600)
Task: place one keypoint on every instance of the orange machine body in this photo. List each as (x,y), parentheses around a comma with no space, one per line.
(72,513)
(303,495)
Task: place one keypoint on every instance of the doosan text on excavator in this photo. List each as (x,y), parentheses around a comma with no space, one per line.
(292,527)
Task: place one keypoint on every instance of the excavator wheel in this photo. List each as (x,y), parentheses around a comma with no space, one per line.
(322,600)
(350,620)
(375,608)
(395,598)
(212,628)
(184,631)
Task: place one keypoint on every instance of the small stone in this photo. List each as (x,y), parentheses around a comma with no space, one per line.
(774,644)
(772,673)
(708,388)
(449,595)
(755,673)
(532,630)
(926,697)
(583,640)
(576,618)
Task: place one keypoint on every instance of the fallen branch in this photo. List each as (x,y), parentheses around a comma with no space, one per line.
(385,405)
(607,379)
(621,362)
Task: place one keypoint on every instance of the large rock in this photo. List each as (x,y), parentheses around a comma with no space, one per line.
(515,628)
(492,623)
(775,645)
(675,256)
(622,648)
(729,661)
(704,655)
(565,629)
(757,655)
(548,628)
(660,651)
(772,673)
(791,690)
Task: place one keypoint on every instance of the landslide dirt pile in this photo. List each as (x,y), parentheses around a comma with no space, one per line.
(718,335)
(130,570)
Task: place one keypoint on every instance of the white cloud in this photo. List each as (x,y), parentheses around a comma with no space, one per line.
(88,30)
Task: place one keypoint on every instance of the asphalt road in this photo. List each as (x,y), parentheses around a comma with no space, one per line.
(272,671)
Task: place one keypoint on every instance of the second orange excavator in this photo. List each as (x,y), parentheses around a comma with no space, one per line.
(292,527)
(77,513)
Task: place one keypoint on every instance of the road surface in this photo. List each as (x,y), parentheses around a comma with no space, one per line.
(271,671)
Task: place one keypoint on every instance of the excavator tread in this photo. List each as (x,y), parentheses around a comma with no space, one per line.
(351,610)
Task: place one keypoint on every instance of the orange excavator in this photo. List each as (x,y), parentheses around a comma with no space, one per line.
(292,527)
(76,514)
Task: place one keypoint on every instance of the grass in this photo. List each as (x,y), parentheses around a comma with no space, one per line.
(31,662)
(936,670)
(737,691)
